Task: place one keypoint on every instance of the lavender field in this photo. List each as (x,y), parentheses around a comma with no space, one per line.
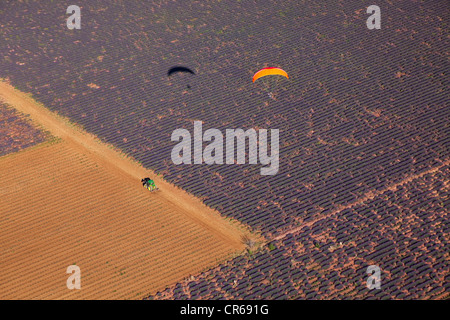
(362,110)
(16,133)
(404,232)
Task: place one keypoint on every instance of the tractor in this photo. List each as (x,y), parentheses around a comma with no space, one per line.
(149,184)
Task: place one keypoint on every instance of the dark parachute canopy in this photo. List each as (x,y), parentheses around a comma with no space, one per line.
(179,69)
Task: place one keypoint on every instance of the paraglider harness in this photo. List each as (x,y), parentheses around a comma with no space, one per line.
(149,184)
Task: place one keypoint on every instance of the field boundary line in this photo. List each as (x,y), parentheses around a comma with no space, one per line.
(231,231)
(366,197)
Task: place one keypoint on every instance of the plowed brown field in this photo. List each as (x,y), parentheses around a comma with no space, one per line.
(78,201)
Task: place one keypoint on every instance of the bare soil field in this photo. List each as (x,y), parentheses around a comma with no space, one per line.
(75,200)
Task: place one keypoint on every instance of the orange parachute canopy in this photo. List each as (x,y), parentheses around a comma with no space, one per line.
(269,71)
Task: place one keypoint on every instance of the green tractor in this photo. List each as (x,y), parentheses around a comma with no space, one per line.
(149,184)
